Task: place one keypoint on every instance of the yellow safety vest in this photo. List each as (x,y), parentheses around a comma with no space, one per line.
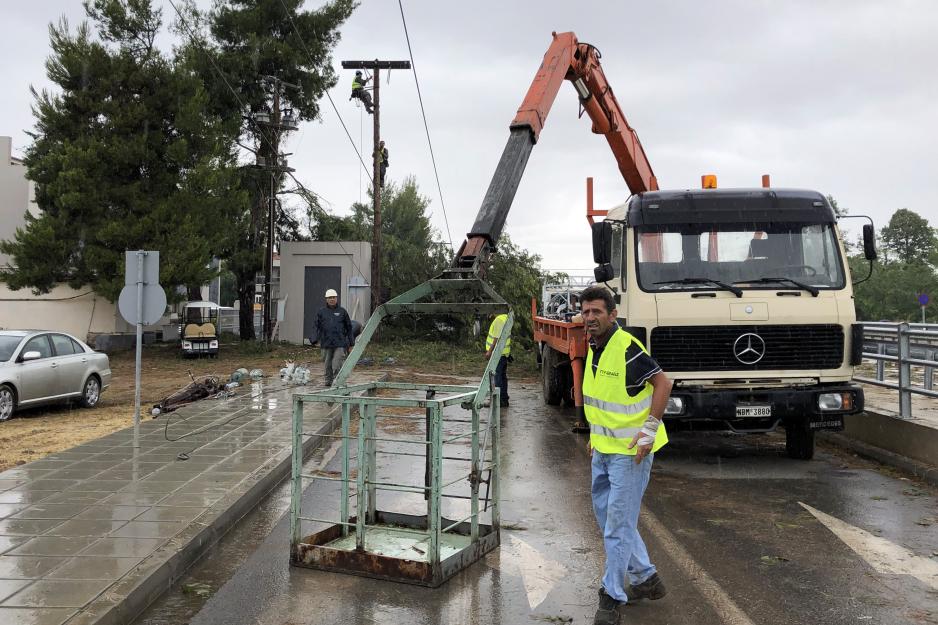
(495,331)
(356,84)
(615,418)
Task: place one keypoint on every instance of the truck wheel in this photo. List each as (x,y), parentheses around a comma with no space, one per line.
(566,388)
(551,378)
(799,441)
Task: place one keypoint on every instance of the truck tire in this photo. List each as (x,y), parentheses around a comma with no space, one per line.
(551,377)
(799,441)
(566,387)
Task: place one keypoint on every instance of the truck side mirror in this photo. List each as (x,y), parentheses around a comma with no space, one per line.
(604,273)
(869,242)
(602,242)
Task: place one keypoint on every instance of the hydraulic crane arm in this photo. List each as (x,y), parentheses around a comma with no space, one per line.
(566,59)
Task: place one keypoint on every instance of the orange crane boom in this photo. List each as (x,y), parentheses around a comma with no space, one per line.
(566,59)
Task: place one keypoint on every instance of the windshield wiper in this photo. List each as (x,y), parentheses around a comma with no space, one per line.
(735,290)
(814,291)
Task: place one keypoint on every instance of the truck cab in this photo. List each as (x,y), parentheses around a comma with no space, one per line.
(744,298)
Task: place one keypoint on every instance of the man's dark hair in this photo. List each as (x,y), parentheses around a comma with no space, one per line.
(594,293)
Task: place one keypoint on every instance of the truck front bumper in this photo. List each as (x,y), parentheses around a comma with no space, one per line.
(762,410)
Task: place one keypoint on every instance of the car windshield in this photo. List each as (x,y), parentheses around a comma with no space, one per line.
(8,346)
(774,255)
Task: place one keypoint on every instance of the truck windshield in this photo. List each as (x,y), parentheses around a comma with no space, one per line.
(738,254)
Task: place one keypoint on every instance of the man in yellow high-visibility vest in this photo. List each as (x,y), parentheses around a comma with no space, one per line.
(501,370)
(625,394)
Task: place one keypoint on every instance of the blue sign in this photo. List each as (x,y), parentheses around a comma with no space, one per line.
(923,299)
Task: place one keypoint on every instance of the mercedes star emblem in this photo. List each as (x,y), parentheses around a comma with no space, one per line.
(749,348)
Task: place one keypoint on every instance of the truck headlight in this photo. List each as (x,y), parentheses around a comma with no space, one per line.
(675,406)
(213,345)
(827,402)
(187,344)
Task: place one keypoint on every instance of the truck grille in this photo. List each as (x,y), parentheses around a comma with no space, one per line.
(715,348)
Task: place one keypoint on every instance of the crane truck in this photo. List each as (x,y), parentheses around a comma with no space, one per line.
(743,296)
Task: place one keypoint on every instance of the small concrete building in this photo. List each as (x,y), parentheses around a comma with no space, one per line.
(308,269)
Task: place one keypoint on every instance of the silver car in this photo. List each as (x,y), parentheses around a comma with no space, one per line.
(38,367)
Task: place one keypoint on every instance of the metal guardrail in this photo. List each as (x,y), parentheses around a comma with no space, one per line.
(906,345)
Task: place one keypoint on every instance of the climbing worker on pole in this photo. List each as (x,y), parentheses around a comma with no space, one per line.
(358,91)
(625,394)
(501,370)
(382,155)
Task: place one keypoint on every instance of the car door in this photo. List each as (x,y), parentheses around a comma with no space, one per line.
(71,365)
(38,379)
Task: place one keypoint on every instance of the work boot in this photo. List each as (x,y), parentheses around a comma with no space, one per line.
(608,611)
(652,588)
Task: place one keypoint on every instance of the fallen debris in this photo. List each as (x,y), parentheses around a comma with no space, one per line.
(199,388)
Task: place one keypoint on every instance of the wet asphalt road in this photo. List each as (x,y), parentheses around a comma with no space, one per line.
(723,520)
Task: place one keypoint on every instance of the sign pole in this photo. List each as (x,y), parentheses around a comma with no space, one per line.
(140,257)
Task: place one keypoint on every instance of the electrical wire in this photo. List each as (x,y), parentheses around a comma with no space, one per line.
(44,299)
(303,188)
(426,126)
(334,107)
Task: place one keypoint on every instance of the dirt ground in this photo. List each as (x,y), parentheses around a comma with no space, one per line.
(34,433)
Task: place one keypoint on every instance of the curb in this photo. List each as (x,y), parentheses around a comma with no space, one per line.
(140,593)
(920,470)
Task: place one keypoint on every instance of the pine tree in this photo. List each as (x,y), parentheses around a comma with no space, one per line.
(123,157)
(243,42)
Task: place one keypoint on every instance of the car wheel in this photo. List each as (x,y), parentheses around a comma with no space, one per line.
(91,392)
(7,402)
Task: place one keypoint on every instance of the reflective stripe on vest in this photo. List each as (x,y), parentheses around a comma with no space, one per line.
(615,418)
(495,330)
(610,406)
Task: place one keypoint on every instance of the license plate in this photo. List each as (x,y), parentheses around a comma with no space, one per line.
(753,411)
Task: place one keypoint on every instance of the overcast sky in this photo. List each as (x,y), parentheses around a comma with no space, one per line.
(836,96)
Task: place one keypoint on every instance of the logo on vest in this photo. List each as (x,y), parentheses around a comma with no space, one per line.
(607,373)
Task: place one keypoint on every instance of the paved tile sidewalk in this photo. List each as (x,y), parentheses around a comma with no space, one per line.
(93,533)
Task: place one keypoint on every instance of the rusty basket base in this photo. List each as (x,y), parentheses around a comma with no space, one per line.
(393,551)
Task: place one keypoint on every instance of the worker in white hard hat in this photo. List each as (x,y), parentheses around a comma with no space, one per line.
(334,334)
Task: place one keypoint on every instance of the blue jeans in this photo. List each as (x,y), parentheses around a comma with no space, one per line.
(618,486)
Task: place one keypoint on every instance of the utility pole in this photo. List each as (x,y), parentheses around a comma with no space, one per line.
(376,66)
(278,122)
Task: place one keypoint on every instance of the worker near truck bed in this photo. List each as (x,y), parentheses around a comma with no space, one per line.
(625,394)
(501,370)
(334,335)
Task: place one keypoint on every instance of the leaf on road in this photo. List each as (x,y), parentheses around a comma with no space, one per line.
(198,589)
(924,522)
(878,498)
(773,560)
(787,526)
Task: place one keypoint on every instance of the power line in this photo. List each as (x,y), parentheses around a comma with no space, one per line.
(425,124)
(303,188)
(334,107)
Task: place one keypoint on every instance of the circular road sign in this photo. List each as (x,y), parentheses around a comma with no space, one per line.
(154,303)
(923,299)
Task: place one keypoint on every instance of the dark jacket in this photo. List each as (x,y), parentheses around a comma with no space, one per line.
(333,328)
